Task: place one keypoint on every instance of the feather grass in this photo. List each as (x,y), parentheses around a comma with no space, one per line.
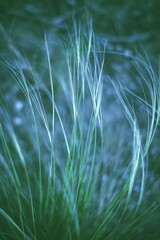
(54,188)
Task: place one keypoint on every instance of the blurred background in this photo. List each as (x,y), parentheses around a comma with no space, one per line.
(130,28)
(126,24)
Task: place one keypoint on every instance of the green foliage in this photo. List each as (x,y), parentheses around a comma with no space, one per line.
(60,176)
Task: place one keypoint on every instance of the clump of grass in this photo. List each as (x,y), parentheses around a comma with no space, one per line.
(56,181)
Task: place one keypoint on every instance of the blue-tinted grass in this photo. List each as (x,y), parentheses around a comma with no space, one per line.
(62,174)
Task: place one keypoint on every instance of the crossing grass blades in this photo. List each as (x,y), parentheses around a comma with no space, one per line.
(59,178)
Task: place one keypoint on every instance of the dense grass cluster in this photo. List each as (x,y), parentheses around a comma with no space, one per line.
(74,161)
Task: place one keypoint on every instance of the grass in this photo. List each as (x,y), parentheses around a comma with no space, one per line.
(63,172)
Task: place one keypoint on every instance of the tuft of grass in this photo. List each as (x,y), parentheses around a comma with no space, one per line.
(56,179)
